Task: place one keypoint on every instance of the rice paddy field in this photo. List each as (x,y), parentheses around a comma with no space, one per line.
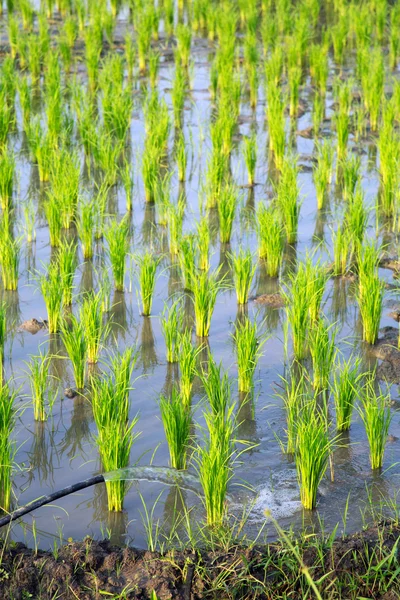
(199,205)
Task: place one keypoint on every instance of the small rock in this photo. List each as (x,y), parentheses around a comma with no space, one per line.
(273,300)
(70,393)
(33,326)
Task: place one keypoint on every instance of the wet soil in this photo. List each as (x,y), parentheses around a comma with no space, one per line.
(90,570)
(272,300)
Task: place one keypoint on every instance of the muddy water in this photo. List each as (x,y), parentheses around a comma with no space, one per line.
(63,450)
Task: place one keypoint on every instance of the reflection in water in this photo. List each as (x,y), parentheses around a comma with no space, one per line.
(78,433)
(171,379)
(87,279)
(174,279)
(188,312)
(57,358)
(289,260)
(13,310)
(42,456)
(118,318)
(174,511)
(149,227)
(319,229)
(147,350)
(246,421)
(339,300)
(225,272)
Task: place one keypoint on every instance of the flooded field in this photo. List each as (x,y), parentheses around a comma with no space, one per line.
(63,449)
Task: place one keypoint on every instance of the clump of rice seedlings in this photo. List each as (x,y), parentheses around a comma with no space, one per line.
(181,156)
(226,212)
(294,80)
(3,333)
(372,82)
(217,170)
(376,416)
(294,395)
(127,181)
(176,417)
(350,174)
(319,69)
(346,376)
(162,198)
(67,262)
(342,249)
(316,277)
(356,219)
(323,352)
(248,352)
(276,124)
(106,154)
(215,464)
(52,293)
(91,318)
(270,239)
(147,264)
(184,40)
(10,250)
(203,243)
(342,123)
(243,270)
(287,199)
(7,447)
(171,326)
(318,113)
(217,386)
(38,369)
(187,364)
(322,172)
(250,156)
(176,213)
(85,225)
(313,448)
(29,221)
(74,339)
(178,93)
(154,65)
(370,294)
(204,297)
(7,167)
(297,311)
(187,259)
(117,236)
(116,435)
(52,211)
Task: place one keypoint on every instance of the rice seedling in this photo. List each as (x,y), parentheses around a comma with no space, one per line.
(85,225)
(243,270)
(323,352)
(52,293)
(346,377)
(287,199)
(276,123)
(356,218)
(116,435)
(127,181)
(370,293)
(342,123)
(38,370)
(250,156)
(297,311)
(162,198)
(313,448)
(318,113)
(177,419)
(7,446)
(215,465)
(178,93)
(52,210)
(350,167)
(7,167)
(3,334)
(217,170)
(342,249)
(67,262)
(204,297)
(294,395)
(117,237)
(147,264)
(316,276)
(176,213)
(248,349)
(270,239)
(74,339)
(187,260)
(294,80)
(187,357)
(94,330)
(322,172)
(226,212)
(181,157)
(184,41)
(203,243)
(10,250)
(171,326)
(376,416)
(217,386)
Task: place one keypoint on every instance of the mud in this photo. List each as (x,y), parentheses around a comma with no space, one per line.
(386,349)
(91,570)
(272,300)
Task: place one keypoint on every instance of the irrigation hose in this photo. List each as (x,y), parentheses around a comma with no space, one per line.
(24,510)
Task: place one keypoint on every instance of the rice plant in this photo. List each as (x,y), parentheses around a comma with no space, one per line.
(226,212)
(3,334)
(52,293)
(177,419)
(250,157)
(316,276)
(350,171)
(376,416)
(243,270)
(322,172)
(74,339)
(7,168)
(147,264)
(294,395)
(323,352)
(287,199)
(342,249)
(270,239)
(204,298)
(248,352)
(203,243)
(86,226)
(67,262)
(52,210)
(38,369)
(181,157)
(297,312)
(176,213)
(313,448)
(117,237)
(346,377)
(91,319)
(7,446)
(10,250)
(187,358)
(370,294)
(217,386)
(171,326)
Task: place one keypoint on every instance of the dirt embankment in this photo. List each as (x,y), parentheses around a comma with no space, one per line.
(363,565)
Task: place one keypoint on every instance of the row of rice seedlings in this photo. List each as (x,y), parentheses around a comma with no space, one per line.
(116,434)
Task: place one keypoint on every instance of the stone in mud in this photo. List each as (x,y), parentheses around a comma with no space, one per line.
(395,314)
(272,300)
(33,326)
(70,393)
(307,133)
